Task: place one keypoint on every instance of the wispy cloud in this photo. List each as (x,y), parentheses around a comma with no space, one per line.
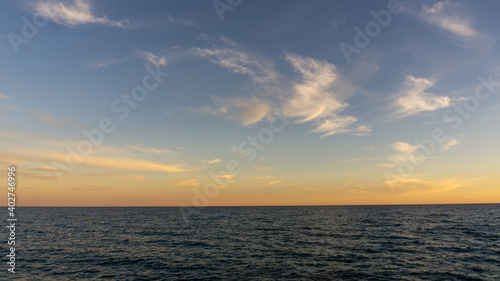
(229,42)
(78,12)
(265,180)
(403,147)
(356,160)
(416,185)
(145,149)
(239,62)
(211,161)
(315,98)
(47,169)
(446,15)
(50,119)
(188,183)
(451,142)
(151,58)
(94,188)
(247,110)
(250,109)
(118,163)
(403,152)
(273,182)
(224,176)
(103,63)
(310,99)
(413,98)
(177,20)
(339,125)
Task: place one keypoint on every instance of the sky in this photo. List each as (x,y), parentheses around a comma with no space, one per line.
(232,103)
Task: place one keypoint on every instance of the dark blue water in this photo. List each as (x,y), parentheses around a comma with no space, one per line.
(260,243)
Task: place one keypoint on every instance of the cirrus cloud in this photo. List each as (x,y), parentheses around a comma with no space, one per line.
(211,161)
(73,14)
(316,96)
(413,98)
(446,15)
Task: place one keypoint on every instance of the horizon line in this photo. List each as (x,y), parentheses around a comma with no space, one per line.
(338,205)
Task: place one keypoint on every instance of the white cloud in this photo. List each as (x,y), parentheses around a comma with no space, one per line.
(403,147)
(253,112)
(413,99)
(229,42)
(149,150)
(151,58)
(403,152)
(211,161)
(362,131)
(310,99)
(239,62)
(450,143)
(338,125)
(73,14)
(446,15)
(315,98)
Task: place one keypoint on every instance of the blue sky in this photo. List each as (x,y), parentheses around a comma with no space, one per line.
(352,119)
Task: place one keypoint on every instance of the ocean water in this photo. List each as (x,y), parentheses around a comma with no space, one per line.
(259,243)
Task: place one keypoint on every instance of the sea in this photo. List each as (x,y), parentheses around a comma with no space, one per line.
(413,242)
